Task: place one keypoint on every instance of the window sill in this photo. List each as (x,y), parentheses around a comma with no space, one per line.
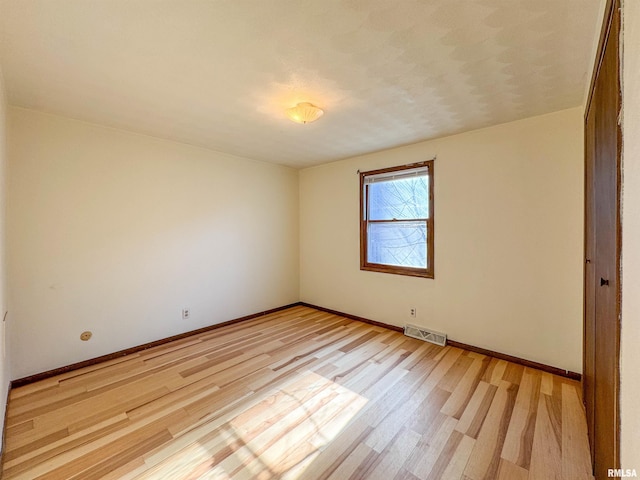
(407,271)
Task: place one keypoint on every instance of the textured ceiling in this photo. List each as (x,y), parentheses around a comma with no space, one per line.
(220,73)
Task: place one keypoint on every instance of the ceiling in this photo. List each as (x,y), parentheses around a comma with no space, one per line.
(220,73)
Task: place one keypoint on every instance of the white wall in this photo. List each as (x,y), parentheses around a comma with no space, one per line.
(115,233)
(4,357)
(508,240)
(630,329)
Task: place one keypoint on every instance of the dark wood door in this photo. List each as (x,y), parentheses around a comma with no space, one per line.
(602,252)
(589,365)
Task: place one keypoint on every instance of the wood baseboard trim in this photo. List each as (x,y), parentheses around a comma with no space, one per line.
(453,343)
(92,361)
(354,317)
(20,382)
(518,360)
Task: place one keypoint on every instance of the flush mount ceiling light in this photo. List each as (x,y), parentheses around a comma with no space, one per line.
(304,112)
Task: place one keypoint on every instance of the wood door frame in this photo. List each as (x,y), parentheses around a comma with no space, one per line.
(612,8)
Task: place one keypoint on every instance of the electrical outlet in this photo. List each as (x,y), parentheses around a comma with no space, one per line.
(185,313)
(412,312)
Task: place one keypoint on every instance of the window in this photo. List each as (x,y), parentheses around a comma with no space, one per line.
(396,220)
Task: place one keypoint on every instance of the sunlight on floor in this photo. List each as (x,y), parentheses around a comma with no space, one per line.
(278,436)
(306,414)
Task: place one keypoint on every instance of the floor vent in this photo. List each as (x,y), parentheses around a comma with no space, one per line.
(426,335)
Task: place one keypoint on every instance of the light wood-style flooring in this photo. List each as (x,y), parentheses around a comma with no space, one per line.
(299,394)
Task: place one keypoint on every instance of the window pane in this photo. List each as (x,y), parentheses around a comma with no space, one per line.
(400,199)
(401,244)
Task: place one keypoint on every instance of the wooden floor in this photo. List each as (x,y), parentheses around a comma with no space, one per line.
(299,394)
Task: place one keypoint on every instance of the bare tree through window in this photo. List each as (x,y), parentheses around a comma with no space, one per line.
(397,222)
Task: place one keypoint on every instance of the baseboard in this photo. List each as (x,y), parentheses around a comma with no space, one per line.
(92,361)
(110,356)
(453,343)
(518,360)
(354,317)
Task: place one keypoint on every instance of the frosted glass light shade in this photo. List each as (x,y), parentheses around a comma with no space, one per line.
(304,113)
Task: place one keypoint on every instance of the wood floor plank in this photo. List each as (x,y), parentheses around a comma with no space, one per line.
(388,428)
(465,388)
(511,471)
(519,440)
(347,468)
(495,371)
(485,458)
(575,443)
(298,394)
(428,417)
(32,455)
(450,381)
(476,410)
(546,453)
(546,388)
(458,462)
(428,450)
(394,456)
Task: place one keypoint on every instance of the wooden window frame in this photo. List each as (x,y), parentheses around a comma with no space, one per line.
(364,222)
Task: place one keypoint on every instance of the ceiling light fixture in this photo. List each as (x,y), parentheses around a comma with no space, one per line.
(304,112)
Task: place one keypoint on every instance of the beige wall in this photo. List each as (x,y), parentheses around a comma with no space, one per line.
(115,233)
(4,357)
(508,246)
(630,332)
